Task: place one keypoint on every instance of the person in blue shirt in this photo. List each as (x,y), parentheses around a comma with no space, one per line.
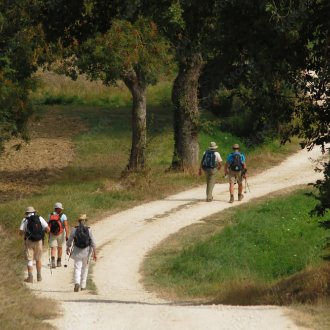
(235,168)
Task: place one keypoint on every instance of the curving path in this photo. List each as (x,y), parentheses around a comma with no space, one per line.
(126,237)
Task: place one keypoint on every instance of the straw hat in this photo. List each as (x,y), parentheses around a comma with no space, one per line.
(82,217)
(213,146)
(235,146)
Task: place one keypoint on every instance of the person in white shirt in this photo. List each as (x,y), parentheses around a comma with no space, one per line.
(80,246)
(211,164)
(33,228)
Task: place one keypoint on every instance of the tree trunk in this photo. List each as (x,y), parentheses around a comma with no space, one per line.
(186,114)
(137,158)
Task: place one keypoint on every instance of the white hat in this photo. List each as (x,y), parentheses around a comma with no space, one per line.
(30,209)
(58,205)
(213,146)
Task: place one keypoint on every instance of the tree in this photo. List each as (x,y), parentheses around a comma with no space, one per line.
(20,45)
(95,39)
(136,54)
(189,26)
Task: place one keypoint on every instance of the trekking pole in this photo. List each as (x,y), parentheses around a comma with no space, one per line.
(66,263)
(246,185)
(49,260)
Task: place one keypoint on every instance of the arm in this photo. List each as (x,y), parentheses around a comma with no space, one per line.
(93,245)
(69,242)
(67,230)
(226,168)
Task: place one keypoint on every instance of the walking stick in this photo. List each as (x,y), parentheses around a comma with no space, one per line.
(246,185)
(49,260)
(66,264)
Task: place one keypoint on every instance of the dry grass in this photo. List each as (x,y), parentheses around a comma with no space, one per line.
(19,308)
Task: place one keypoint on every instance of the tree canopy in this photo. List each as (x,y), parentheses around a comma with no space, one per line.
(20,46)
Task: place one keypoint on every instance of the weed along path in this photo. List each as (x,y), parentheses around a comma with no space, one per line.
(125,238)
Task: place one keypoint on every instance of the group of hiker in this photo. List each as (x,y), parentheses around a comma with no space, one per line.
(79,242)
(235,170)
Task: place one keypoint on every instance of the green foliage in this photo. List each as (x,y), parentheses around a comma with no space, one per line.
(20,41)
(253,248)
(124,48)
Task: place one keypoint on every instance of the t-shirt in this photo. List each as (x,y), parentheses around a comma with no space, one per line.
(24,222)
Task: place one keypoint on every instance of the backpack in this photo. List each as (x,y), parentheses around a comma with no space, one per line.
(209,160)
(34,231)
(55,224)
(82,238)
(236,163)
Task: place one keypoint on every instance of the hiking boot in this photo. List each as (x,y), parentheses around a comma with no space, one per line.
(29,279)
(82,289)
(209,199)
(59,263)
(240,197)
(53,264)
(39,278)
(76,287)
(231,199)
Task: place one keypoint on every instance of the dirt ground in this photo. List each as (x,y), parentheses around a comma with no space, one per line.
(124,240)
(38,161)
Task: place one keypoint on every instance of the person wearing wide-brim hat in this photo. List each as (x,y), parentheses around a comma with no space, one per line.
(33,227)
(210,164)
(79,246)
(235,168)
(59,233)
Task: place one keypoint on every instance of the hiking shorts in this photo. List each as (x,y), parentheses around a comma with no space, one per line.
(33,250)
(235,176)
(57,241)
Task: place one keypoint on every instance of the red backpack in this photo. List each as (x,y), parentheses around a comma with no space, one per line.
(55,224)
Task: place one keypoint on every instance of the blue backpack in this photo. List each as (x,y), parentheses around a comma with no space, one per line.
(236,163)
(209,160)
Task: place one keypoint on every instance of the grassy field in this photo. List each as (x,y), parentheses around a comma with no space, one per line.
(92,183)
(268,252)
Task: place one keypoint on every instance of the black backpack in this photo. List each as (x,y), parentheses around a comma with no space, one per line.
(82,238)
(209,160)
(34,231)
(236,162)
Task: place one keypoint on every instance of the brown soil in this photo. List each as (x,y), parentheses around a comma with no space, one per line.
(40,160)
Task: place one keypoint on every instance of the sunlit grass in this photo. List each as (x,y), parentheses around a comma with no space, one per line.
(239,256)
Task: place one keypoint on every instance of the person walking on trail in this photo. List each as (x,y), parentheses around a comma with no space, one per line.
(33,228)
(211,164)
(79,247)
(59,232)
(235,168)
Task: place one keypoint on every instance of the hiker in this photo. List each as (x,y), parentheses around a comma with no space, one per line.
(211,164)
(79,247)
(235,168)
(33,228)
(59,230)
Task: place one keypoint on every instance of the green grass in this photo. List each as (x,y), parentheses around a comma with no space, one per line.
(61,90)
(261,244)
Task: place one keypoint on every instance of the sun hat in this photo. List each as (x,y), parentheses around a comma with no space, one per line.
(58,205)
(213,146)
(30,209)
(235,146)
(82,217)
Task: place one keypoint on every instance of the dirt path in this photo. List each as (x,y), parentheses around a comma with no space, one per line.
(126,237)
